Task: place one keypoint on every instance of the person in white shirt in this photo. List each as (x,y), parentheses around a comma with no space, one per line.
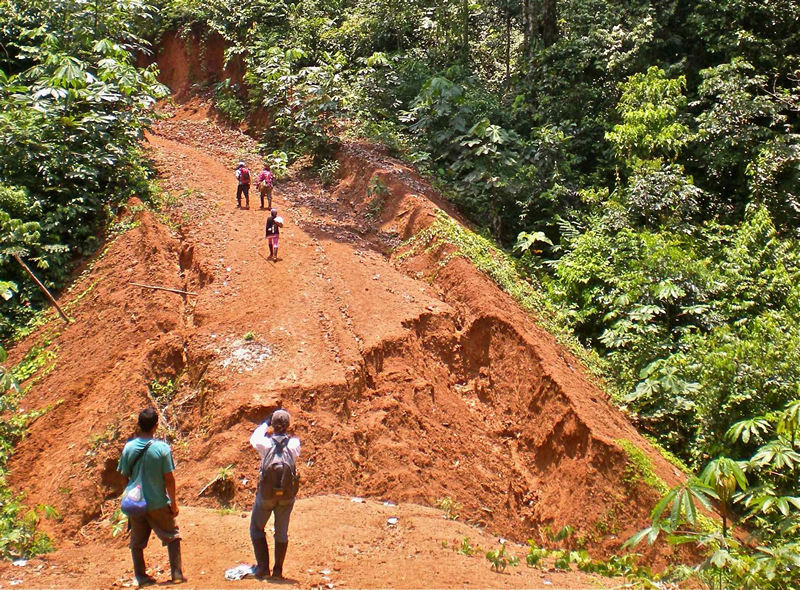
(279,454)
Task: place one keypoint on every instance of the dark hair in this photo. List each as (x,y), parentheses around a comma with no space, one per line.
(148,419)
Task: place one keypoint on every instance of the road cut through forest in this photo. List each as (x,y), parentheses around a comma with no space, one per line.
(410,376)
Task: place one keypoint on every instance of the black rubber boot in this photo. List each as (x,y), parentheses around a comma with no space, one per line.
(270,249)
(175,563)
(280,555)
(261,551)
(139,569)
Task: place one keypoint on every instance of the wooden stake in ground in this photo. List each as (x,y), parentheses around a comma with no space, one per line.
(163,289)
(43,288)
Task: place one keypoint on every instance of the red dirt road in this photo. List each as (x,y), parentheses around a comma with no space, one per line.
(333,541)
(408,380)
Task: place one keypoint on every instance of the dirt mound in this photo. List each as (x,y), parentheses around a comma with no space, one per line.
(408,379)
(557,429)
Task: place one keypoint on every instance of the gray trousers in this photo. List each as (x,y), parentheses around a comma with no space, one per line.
(262,510)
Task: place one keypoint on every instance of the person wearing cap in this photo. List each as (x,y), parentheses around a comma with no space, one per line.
(264,507)
(273,232)
(243,176)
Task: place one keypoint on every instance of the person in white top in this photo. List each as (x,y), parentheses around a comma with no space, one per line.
(277,487)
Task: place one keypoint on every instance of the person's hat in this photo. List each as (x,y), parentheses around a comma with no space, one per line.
(240,165)
(281,416)
(273,211)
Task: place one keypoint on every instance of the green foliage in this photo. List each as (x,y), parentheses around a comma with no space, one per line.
(466,547)
(642,156)
(224,474)
(277,161)
(616,566)
(563,534)
(249,336)
(562,561)
(377,192)
(222,484)
(37,357)
(303,103)
(500,559)
(649,108)
(327,171)
(450,507)
(163,391)
(639,467)
(19,536)
(685,316)
(70,124)
(770,504)
(227,102)
(119,523)
(535,554)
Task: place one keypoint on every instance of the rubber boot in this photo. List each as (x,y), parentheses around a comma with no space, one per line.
(139,569)
(270,249)
(280,555)
(276,259)
(175,563)
(261,551)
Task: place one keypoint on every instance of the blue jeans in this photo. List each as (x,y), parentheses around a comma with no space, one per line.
(262,510)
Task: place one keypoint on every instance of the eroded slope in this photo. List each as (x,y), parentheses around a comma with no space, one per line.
(408,379)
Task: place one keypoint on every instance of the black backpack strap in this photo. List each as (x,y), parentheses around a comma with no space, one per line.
(139,455)
(281,442)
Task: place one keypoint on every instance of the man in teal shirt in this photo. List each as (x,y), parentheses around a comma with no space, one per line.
(149,462)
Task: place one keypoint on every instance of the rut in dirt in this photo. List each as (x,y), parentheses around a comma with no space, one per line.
(409,379)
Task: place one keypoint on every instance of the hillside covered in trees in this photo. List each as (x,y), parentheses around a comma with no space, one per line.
(637,162)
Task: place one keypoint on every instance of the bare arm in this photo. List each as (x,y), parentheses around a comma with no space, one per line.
(169,482)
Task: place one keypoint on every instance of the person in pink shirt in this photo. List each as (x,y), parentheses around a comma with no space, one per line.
(265,182)
(272,233)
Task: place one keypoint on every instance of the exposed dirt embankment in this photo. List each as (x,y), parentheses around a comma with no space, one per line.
(556,433)
(192,58)
(408,379)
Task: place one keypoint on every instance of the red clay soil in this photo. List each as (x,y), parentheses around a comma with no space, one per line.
(407,380)
(356,548)
(190,59)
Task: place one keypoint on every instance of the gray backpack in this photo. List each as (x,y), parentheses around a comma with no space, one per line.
(278,479)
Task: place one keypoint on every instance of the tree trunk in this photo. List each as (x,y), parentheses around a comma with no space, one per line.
(549,22)
(539,24)
(465,29)
(529,20)
(508,48)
